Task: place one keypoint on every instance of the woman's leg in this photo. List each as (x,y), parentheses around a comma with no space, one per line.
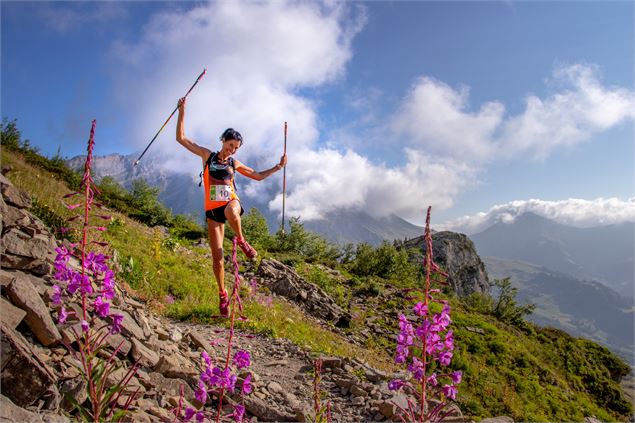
(232,213)
(216,233)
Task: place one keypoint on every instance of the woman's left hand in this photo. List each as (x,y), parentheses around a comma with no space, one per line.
(283,161)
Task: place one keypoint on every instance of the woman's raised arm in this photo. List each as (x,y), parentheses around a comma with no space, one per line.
(183,140)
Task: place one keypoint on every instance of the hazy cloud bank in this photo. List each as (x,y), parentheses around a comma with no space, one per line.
(573,212)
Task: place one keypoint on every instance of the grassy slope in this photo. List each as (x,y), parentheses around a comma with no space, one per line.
(532,375)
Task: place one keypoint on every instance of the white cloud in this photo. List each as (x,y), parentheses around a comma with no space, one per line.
(258,54)
(573,212)
(435,116)
(573,115)
(328,180)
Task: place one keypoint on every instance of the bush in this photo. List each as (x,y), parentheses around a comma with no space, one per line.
(385,261)
(313,247)
(256,230)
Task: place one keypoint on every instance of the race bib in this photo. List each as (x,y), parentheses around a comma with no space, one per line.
(220,192)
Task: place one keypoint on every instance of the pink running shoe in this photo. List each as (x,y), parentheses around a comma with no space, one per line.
(223,301)
(249,251)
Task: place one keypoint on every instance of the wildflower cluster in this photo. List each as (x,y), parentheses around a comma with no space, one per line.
(94,272)
(321,413)
(86,275)
(221,379)
(430,335)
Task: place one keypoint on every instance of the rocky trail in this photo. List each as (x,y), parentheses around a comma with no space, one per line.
(38,371)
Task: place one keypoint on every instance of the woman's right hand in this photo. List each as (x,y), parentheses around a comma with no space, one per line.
(181,104)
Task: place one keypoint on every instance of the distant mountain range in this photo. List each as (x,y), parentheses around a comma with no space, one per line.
(181,193)
(579,307)
(602,253)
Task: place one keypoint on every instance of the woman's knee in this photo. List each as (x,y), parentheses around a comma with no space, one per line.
(232,210)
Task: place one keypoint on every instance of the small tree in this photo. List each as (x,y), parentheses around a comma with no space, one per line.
(506,308)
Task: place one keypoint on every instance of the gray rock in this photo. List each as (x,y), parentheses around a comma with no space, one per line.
(456,254)
(24,377)
(506,419)
(162,334)
(129,325)
(9,412)
(142,354)
(175,334)
(198,340)
(76,388)
(331,362)
(34,265)
(274,387)
(24,296)
(264,411)
(168,386)
(283,280)
(10,316)
(15,197)
(175,366)
(18,243)
(356,391)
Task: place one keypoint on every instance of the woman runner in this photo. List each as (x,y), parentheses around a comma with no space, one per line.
(221,201)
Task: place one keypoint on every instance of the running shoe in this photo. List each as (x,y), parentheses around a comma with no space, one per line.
(249,251)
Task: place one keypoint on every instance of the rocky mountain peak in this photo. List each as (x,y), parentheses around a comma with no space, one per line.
(456,254)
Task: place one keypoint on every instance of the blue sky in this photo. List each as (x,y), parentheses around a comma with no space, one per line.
(471,107)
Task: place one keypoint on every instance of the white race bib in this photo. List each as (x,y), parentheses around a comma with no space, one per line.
(220,192)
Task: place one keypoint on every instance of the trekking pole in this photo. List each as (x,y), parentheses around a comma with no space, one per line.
(284,175)
(170,117)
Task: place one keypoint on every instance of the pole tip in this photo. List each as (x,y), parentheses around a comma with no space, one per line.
(136,163)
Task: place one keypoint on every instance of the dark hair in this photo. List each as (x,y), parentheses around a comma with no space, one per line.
(231,134)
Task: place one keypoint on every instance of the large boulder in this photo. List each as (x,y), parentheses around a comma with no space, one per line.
(456,254)
(25,378)
(23,295)
(283,280)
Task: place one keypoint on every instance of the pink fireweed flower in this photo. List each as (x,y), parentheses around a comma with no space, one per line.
(101,307)
(85,326)
(416,368)
(242,359)
(201,392)
(96,263)
(62,315)
(63,254)
(246,388)
(432,379)
(117,319)
(206,357)
(445,357)
(189,413)
(57,294)
(449,340)
(456,377)
(405,339)
(86,287)
(450,391)
(239,413)
(169,299)
(200,417)
(420,309)
(396,384)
